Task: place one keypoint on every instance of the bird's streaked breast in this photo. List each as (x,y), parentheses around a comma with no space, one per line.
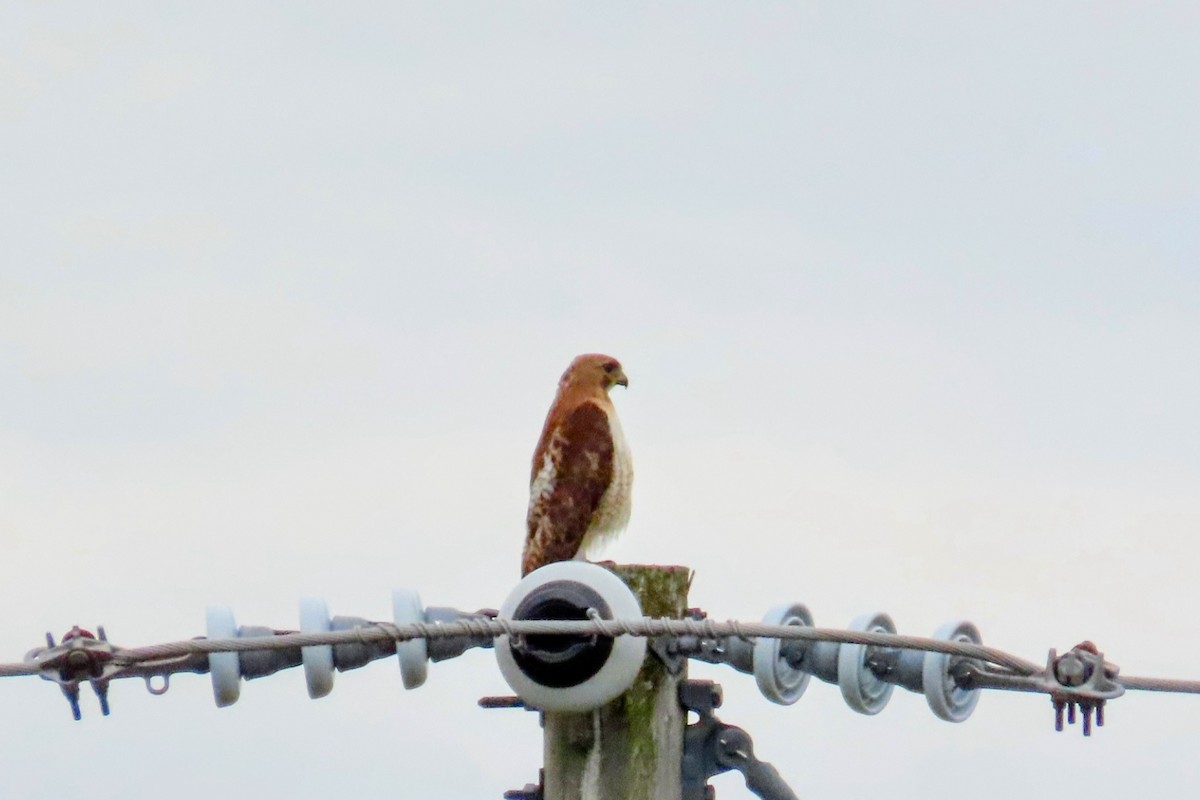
(612,514)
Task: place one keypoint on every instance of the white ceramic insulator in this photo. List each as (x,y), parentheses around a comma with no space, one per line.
(413,654)
(223,667)
(778,680)
(861,690)
(317,659)
(618,671)
(946,699)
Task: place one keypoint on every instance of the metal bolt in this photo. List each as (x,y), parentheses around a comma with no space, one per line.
(1069,670)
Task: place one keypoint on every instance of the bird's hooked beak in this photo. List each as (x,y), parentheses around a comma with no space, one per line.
(619,379)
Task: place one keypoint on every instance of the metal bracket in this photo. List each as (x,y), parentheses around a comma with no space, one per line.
(530,791)
(666,649)
(674,651)
(504,701)
(711,747)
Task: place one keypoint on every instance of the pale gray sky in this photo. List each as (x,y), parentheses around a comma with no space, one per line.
(908,295)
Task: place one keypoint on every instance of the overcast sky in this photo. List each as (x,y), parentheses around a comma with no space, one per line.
(907,294)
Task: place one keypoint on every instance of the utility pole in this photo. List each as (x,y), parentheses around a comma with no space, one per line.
(631,748)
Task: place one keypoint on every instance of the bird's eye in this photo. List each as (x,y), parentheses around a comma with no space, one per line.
(610,367)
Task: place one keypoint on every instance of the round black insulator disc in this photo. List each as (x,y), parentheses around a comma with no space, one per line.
(562,661)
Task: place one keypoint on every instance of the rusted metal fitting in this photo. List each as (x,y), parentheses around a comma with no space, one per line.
(1082,680)
(81,657)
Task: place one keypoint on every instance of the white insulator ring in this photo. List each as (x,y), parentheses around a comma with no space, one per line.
(778,680)
(223,668)
(413,654)
(861,689)
(620,667)
(318,658)
(946,698)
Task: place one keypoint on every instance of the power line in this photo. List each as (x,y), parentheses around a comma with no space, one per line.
(476,628)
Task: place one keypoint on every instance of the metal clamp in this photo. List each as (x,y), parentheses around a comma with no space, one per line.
(82,656)
(711,747)
(1080,678)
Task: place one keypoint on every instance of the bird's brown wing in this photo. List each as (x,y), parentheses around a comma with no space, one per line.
(580,459)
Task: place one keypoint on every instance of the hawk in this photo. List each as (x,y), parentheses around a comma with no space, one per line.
(581,475)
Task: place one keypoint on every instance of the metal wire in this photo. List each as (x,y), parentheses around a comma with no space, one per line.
(634,627)
(1160,685)
(17,670)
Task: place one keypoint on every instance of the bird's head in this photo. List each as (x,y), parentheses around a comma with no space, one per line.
(594,370)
